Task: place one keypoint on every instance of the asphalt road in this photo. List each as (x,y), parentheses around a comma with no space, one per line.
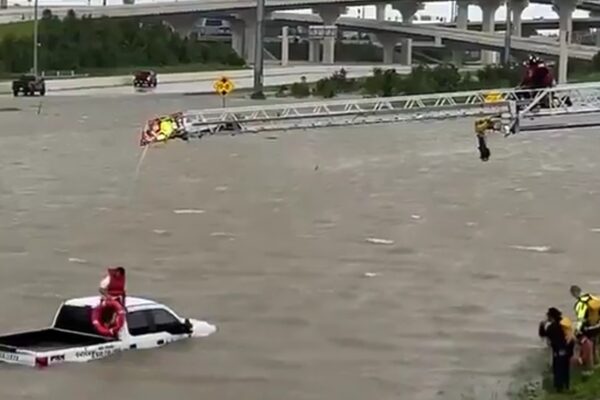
(377,262)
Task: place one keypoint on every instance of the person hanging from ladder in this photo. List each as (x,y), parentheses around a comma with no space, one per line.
(483,126)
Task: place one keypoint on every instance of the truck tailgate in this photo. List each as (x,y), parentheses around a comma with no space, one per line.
(49,340)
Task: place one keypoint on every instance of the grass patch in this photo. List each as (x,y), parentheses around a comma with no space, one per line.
(170,69)
(18,29)
(582,388)
(584,77)
(541,387)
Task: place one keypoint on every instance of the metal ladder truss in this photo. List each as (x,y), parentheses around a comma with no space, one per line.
(564,100)
(512,104)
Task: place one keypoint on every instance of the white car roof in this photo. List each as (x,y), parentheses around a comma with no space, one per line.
(93,301)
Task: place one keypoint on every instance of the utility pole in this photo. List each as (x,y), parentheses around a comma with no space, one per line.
(35,38)
(508,33)
(258,51)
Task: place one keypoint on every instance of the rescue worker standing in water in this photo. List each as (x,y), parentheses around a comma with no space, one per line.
(587,311)
(559,332)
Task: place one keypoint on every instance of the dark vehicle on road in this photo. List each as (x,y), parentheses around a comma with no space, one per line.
(145,79)
(29,85)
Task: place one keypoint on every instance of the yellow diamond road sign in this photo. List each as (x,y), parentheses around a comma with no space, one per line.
(223,86)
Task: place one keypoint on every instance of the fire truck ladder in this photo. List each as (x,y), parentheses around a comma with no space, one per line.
(559,101)
(514,105)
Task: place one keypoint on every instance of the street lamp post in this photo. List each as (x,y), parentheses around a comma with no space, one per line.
(35,38)
(258,51)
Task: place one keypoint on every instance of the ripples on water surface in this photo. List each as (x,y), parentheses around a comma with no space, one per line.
(401,267)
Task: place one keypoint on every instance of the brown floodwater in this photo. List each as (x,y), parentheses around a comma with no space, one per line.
(355,263)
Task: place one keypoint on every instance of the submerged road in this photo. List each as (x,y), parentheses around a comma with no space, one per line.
(377,262)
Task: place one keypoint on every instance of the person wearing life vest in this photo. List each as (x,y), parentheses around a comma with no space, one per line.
(113,284)
(558,331)
(482,127)
(587,312)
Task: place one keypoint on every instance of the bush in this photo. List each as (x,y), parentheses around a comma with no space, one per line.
(300,89)
(496,76)
(382,83)
(446,78)
(336,83)
(85,43)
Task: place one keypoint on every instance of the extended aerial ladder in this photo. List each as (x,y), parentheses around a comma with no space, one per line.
(509,106)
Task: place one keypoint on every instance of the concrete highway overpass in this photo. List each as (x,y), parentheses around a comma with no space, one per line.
(463,38)
(203,6)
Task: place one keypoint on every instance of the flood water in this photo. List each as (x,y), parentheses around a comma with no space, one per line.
(358,263)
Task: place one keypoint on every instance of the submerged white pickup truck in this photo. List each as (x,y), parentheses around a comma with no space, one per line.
(72,337)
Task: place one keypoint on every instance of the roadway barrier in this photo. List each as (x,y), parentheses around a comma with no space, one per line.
(206,76)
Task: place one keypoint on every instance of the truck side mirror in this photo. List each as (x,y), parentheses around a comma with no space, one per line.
(189,328)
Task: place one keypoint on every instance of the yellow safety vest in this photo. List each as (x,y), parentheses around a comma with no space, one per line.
(482,125)
(587,310)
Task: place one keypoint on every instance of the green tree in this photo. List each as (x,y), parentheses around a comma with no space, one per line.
(86,43)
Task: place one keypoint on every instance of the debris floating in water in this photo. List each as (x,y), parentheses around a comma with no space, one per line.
(379,241)
(415,217)
(221,188)
(371,274)
(160,231)
(222,234)
(595,230)
(77,260)
(539,249)
(188,211)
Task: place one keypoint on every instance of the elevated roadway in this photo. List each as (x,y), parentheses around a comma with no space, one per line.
(202,6)
(484,40)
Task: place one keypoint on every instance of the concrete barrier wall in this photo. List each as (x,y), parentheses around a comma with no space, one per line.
(210,76)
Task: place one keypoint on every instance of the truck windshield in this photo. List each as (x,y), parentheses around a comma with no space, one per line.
(76,319)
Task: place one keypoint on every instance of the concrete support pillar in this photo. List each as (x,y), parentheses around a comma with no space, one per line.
(380,12)
(406,51)
(249,26)
(329,14)
(237,37)
(488,11)
(518,6)
(408,9)
(564,9)
(462,22)
(183,24)
(314,50)
(388,42)
(285,46)
(596,14)
(249,37)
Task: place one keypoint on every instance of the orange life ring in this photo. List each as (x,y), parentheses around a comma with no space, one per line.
(113,328)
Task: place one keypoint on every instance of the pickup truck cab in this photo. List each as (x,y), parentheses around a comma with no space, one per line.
(72,337)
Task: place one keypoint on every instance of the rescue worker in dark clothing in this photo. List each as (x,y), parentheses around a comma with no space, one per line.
(558,331)
(537,74)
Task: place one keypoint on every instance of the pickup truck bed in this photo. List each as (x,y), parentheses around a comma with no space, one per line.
(49,339)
